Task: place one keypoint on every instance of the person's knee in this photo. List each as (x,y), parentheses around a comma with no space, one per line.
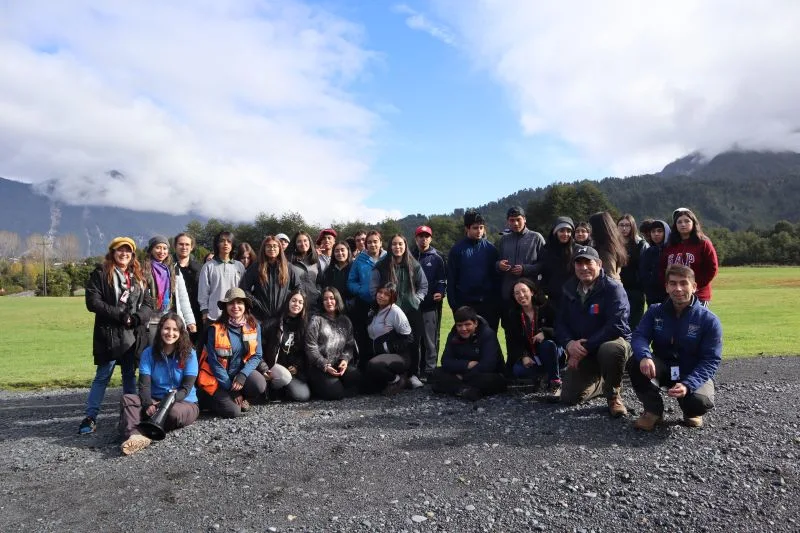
(130,400)
(281,377)
(697,404)
(612,354)
(299,392)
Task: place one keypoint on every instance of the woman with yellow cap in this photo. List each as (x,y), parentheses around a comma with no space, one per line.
(118,296)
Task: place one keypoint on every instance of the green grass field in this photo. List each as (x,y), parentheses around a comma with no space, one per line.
(46,342)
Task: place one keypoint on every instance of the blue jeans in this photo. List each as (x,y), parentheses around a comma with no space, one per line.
(552,358)
(101,378)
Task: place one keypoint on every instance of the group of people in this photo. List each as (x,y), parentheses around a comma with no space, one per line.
(328,318)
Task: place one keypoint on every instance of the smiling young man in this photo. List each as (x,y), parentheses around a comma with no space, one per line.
(678,345)
(592,326)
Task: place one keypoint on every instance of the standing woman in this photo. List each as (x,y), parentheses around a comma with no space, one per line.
(635,245)
(609,244)
(305,262)
(189,268)
(400,267)
(583,234)
(329,349)
(227,379)
(284,364)
(556,265)
(654,290)
(689,246)
(338,271)
(167,287)
(117,295)
(358,283)
(169,364)
(245,254)
(269,281)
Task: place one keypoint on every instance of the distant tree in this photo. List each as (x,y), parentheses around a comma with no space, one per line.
(67,248)
(78,274)
(58,283)
(9,244)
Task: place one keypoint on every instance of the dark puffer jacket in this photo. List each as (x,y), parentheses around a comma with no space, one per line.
(268,299)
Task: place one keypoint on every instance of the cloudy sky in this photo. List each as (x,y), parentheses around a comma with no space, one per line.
(344,109)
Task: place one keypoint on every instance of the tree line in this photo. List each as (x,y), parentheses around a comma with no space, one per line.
(22,262)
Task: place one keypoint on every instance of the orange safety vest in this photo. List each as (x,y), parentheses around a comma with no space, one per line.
(206,380)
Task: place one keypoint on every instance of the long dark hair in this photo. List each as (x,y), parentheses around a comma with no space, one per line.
(634,228)
(280,263)
(697,231)
(302,317)
(537,299)
(183,346)
(310,257)
(607,237)
(349,253)
(386,267)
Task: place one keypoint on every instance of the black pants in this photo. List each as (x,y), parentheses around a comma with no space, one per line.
(223,402)
(358,316)
(327,387)
(695,403)
(636,300)
(382,369)
(486,383)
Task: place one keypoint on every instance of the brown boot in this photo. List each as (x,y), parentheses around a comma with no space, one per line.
(693,421)
(616,408)
(647,421)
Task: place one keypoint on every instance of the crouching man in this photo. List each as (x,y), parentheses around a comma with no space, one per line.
(678,345)
(472,364)
(592,326)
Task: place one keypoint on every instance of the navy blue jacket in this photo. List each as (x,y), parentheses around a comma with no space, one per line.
(471,276)
(482,346)
(435,272)
(602,318)
(649,276)
(695,338)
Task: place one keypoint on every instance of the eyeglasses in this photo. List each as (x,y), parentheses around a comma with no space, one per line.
(272,246)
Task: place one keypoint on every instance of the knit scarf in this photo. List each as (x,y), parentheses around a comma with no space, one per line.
(237,323)
(161,276)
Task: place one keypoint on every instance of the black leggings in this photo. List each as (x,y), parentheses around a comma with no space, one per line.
(327,387)
(382,369)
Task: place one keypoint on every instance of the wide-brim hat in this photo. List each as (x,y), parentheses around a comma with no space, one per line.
(235,294)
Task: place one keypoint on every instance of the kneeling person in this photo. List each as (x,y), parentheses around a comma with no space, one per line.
(592,325)
(472,364)
(678,344)
(170,364)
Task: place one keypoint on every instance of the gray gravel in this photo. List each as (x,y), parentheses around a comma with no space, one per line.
(415,462)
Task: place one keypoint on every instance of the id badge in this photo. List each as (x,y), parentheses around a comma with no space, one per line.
(674,373)
(124,297)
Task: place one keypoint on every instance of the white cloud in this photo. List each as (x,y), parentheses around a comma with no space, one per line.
(422,22)
(632,85)
(229,108)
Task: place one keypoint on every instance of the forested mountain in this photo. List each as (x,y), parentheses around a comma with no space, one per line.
(736,190)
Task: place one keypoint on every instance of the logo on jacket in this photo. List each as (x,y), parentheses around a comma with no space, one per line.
(659,324)
(692,330)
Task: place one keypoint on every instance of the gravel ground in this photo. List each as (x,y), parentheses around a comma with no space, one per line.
(416,462)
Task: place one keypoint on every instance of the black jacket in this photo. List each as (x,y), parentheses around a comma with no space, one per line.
(287,354)
(110,332)
(336,277)
(191,277)
(518,344)
(269,299)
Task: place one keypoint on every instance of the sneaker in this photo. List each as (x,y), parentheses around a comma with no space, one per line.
(553,392)
(616,408)
(88,425)
(134,444)
(415,383)
(647,421)
(395,387)
(471,394)
(693,421)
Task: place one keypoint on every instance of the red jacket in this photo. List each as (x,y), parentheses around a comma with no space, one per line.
(701,257)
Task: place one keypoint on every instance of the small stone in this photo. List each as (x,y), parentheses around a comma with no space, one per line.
(366,523)
(417,518)
(590,494)
(673,493)
(290,517)
(470,507)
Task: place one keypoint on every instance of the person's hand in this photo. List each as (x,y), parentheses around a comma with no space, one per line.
(539,337)
(236,386)
(576,351)
(504,266)
(471,365)
(342,367)
(268,375)
(648,368)
(516,270)
(331,371)
(437,296)
(152,409)
(192,328)
(527,362)
(238,399)
(678,390)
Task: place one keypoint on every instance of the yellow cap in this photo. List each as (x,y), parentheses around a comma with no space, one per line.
(121,241)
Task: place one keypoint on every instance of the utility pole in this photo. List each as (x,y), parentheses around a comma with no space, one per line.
(44,244)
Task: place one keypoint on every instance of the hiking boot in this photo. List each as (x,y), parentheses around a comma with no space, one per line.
(693,421)
(134,444)
(471,394)
(415,383)
(395,387)
(647,421)
(616,408)
(88,425)
(553,392)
